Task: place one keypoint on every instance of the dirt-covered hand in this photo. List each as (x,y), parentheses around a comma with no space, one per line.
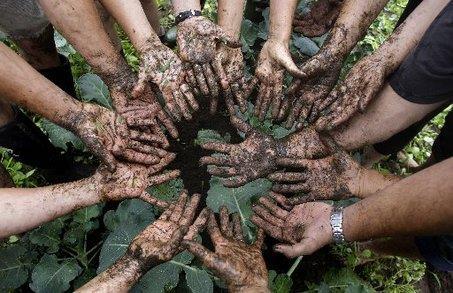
(303,228)
(198,39)
(161,240)
(106,135)
(319,20)
(228,65)
(353,95)
(244,162)
(273,60)
(131,180)
(239,264)
(160,65)
(332,177)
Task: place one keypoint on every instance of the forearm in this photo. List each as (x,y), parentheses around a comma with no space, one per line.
(120,277)
(22,85)
(230,14)
(152,14)
(132,18)
(26,208)
(281,19)
(352,23)
(407,36)
(81,25)
(184,5)
(368,182)
(417,205)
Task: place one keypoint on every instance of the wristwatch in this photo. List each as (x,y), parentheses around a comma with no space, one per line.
(336,222)
(186,15)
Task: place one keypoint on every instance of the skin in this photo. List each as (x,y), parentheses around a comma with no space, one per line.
(158,243)
(240,265)
(367,77)
(319,19)
(96,47)
(428,193)
(159,64)
(104,132)
(5,178)
(26,208)
(275,58)
(322,70)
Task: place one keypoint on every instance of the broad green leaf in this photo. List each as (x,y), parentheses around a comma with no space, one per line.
(48,235)
(305,45)
(61,137)
(263,27)
(237,199)
(198,280)
(52,276)
(63,47)
(93,89)
(130,218)
(343,278)
(167,191)
(86,214)
(208,135)
(164,277)
(282,284)
(249,34)
(13,270)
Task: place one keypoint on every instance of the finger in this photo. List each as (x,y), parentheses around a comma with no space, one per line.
(145,137)
(287,176)
(294,112)
(235,181)
(147,149)
(286,61)
(228,40)
(166,121)
(281,200)
(146,197)
(293,162)
(250,87)
(210,78)
(239,90)
(222,171)
(268,217)
(191,80)
(240,125)
(176,238)
(214,231)
(225,226)
(153,169)
(221,147)
(237,227)
(220,72)
(207,257)
(271,230)
(189,97)
(265,103)
(273,208)
(305,247)
(260,99)
(277,100)
(218,161)
(202,85)
(190,210)
(199,224)
(183,106)
(140,85)
(162,178)
(165,216)
(137,157)
(284,108)
(179,207)
(259,238)
(296,200)
(171,105)
(291,188)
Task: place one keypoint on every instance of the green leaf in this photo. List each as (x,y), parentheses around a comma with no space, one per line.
(305,45)
(208,135)
(86,214)
(51,276)
(48,235)
(281,284)
(237,199)
(164,277)
(249,34)
(130,218)
(167,191)
(198,280)
(61,137)
(93,89)
(343,278)
(13,270)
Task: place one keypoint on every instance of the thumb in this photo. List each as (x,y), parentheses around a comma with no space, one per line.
(286,61)
(227,39)
(139,88)
(177,237)
(305,247)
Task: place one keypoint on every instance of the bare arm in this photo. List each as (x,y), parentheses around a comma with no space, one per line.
(184,5)
(281,19)
(230,14)
(425,196)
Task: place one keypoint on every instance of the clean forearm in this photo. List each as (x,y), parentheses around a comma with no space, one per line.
(281,19)
(120,277)
(22,85)
(417,205)
(132,18)
(230,14)
(184,5)
(81,25)
(407,36)
(26,208)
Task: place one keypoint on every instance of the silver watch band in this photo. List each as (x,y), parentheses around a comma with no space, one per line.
(336,222)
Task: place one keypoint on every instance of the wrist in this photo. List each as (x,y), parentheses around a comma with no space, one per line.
(185,5)
(251,289)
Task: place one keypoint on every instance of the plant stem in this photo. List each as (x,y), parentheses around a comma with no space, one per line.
(294,266)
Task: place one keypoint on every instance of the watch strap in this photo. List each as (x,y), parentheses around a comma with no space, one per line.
(186,15)
(336,223)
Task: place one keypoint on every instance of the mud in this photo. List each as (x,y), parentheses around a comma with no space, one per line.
(319,19)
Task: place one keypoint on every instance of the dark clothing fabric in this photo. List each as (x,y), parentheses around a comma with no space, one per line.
(426,75)
(411,5)
(443,145)
(437,250)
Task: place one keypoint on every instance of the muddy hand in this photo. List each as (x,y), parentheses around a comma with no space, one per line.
(319,20)
(353,95)
(303,228)
(198,39)
(131,180)
(161,240)
(244,162)
(239,264)
(162,66)
(273,60)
